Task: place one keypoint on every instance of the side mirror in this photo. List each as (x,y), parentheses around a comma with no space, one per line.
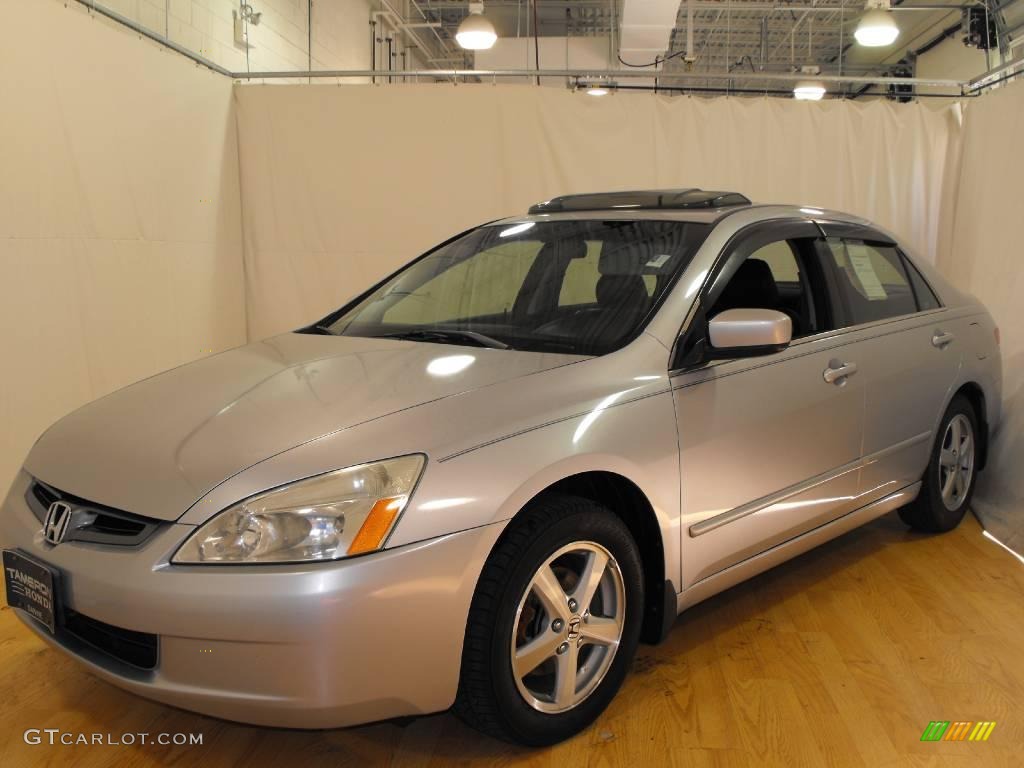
(748,333)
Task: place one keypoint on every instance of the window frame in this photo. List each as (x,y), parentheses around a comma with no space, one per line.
(911,269)
(689,349)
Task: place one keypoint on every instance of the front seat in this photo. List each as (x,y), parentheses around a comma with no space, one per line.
(753,287)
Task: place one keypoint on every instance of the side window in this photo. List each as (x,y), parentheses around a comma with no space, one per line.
(926,298)
(458,293)
(579,286)
(780,259)
(772,277)
(871,281)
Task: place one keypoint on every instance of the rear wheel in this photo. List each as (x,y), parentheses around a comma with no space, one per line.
(948,483)
(554,623)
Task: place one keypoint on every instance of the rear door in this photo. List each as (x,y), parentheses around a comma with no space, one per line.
(769,449)
(910,352)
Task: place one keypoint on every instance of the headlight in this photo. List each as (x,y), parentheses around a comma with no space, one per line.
(343,513)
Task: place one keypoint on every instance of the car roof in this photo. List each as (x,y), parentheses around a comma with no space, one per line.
(683,204)
(757,211)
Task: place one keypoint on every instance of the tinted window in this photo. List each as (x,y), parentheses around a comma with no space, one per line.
(871,282)
(926,298)
(771,278)
(461,291)
(583,287)
(582,276)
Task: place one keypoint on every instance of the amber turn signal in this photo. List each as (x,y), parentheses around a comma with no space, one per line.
(376,526)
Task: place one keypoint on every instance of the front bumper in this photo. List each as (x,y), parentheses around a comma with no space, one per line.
(302,646)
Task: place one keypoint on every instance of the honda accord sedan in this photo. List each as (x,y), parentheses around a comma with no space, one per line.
(481,483)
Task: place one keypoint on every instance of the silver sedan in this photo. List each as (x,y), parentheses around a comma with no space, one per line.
(481,483)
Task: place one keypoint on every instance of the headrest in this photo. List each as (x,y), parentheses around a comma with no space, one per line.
(752,286)
(564,248)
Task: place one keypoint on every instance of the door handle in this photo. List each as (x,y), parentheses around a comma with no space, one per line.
(941,339)
(837,372)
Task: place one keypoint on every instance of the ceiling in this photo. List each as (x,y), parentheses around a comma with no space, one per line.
(736,36)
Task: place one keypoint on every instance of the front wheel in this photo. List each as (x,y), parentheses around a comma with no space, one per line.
(554,623)
(948,483)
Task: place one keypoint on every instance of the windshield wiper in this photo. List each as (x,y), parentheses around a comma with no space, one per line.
(447,336)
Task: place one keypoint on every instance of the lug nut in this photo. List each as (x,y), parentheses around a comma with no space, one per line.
(586,617)
(572,605)
(556,625)
(579,643)
(562,648)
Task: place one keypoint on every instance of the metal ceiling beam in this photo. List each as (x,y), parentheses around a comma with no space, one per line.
(604,74)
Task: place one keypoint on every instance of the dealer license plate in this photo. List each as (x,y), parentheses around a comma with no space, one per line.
(31,586)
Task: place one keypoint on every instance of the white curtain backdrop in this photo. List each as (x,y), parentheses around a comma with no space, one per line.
(987,258)
(340,185)
(120,239)
(122,219)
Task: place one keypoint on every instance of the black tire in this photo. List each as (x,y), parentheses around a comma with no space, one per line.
(928,512)
(488,698)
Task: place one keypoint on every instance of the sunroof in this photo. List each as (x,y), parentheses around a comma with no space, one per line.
(671,199)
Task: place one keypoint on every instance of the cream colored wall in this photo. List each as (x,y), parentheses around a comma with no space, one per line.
(341,36)
(120,241)
(987,259)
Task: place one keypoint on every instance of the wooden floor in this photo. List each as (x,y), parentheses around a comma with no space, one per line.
(840,657)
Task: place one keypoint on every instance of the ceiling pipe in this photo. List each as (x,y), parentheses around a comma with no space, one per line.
(645,30)
(612,74)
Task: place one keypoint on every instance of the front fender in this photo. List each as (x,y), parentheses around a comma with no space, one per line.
(635,439)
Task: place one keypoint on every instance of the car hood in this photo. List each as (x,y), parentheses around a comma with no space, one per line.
(156,447)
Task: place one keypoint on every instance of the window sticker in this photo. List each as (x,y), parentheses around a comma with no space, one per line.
(864,269)
(658,261)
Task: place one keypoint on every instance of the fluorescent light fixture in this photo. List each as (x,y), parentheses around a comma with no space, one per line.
(476,33)
(808,90)
(597,90)
(877,28)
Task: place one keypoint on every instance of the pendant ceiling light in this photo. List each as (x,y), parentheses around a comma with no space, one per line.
(808,90)
(476,33)
(877,27)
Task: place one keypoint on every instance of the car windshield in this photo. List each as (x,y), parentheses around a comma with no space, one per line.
(579,287)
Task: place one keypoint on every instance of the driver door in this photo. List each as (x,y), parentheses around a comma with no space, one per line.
(768,448)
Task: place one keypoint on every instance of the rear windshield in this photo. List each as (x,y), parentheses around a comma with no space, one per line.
(580,287)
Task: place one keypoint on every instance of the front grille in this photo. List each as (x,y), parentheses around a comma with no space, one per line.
(138,649)
(91,522)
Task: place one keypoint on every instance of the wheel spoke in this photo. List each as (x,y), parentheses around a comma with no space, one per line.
(565,677)
(966,451)
(601,631)
(534,653)
(954,431)
(949,483)
(597,562)
(549,591)
(959,486)
(946,458)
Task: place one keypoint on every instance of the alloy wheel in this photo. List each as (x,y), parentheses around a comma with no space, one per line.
(568,627)
(956,461)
